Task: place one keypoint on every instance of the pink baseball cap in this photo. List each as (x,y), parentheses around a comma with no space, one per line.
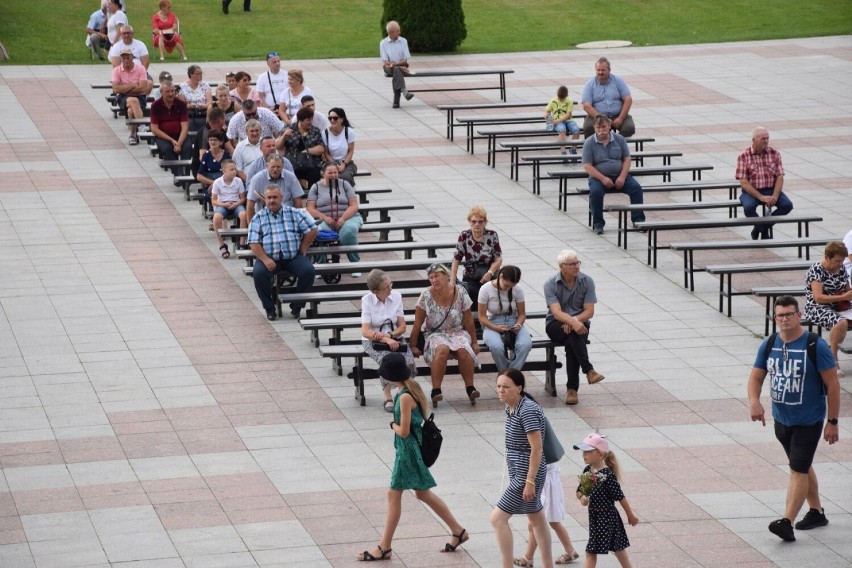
(593,441)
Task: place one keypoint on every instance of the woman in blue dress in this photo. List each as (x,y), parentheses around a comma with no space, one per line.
(527,467)
(409,471)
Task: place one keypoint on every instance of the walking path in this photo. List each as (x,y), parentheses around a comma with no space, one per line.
(151,416)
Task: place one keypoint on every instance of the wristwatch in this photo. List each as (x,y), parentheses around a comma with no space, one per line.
(832,421)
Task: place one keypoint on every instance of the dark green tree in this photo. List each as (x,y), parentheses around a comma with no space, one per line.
(428,25)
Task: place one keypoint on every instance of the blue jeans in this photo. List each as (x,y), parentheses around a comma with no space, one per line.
(299,266)
(750,204)
(348,234)
(494,341)
(596,199)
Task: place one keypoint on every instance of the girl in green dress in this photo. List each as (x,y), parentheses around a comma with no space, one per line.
(409,472)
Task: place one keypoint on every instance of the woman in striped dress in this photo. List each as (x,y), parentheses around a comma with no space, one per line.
(527,467)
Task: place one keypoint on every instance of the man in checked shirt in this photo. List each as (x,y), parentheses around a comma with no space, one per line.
(761,175)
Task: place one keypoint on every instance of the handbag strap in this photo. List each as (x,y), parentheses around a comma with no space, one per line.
(446,315)
(272,89)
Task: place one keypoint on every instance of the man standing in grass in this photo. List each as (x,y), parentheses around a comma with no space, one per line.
(802,374)
(395,58)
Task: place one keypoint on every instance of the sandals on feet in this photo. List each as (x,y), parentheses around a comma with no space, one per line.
(472,394)
(463,537)
(523,561)
(366,556)
(567,558)
(389,406)
(225,252)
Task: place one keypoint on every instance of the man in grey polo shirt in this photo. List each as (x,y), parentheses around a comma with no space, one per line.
(267,149)
(607,94)
(570,297)
(606,158)
(273,175)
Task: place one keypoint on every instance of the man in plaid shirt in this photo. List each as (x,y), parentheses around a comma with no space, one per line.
(761,175)
(279,236)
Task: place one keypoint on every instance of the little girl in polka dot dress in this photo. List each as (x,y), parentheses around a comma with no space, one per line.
(606,529)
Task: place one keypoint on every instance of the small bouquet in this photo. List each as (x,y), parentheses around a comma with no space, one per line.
(589,481)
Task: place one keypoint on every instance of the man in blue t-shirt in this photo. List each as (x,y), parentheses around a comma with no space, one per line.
(798,384)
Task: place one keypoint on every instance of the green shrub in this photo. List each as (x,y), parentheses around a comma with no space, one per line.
(428,25)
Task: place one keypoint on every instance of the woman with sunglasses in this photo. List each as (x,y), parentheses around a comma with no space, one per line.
(827,295)
(502,309)
(339,140)
(443,316)
(478,250)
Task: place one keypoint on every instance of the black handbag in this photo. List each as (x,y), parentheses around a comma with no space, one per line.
(509,338)
(477,273)
(382,346)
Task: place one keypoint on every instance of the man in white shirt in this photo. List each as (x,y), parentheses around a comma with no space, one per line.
(271,85)
(248,150)
(96,36)
(127,39)
(117,19)
(395,59)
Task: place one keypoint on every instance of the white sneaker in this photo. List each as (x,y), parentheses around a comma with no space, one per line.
(356,275)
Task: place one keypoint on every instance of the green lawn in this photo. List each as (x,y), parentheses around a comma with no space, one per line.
(53,31)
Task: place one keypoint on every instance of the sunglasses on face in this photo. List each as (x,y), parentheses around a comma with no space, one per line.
(271,54)
(333,118)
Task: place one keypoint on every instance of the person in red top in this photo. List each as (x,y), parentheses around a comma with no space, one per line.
(761,175)
(130,84)
(170,125)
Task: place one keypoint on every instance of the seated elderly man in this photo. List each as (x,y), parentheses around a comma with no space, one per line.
(96,36)
(607,94)
(606,158)
(129,82)
(248,150)
(270,124)
(279,237)
(170,125)
(273,176)
(267,150)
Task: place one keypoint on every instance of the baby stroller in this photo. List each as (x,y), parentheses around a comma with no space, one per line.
(327,239)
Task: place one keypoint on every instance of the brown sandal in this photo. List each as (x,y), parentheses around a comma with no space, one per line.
(523,561)
(567,558)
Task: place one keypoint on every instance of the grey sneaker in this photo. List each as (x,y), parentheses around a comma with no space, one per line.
(812,520)
(597,230)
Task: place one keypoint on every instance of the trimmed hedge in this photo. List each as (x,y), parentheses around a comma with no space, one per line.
(428,25)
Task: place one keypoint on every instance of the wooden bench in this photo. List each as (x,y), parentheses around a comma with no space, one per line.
(470,122)
(665,171)
(501,86)
(697,189)
(549,365)
(337,324)
(623,209)
(314,299)
(726,271)
(451,108)
(654,227)
(407,249)
(515,147)
(536,160)
(384,230)
(771,293)
(689,248)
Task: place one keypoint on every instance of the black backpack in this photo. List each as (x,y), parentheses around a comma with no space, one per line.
(430,445)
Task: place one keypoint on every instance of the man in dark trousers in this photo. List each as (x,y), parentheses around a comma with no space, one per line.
(801,377)
(227,3)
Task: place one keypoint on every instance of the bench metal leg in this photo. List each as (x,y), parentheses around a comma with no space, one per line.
(691,271)
(503,87)
(359,381)
(450,123)
(767,316)
(550,374)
